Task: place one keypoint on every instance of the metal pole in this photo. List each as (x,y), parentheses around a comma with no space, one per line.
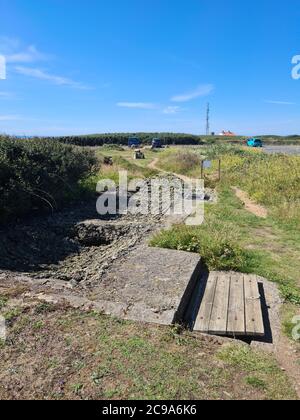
(207,120)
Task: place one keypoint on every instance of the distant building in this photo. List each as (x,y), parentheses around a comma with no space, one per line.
(227,134)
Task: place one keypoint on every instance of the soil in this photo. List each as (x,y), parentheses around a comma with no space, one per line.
(75,245)
(75,249)
(251,205)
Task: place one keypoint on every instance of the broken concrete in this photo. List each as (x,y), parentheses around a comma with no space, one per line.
(150,285)
(155,284)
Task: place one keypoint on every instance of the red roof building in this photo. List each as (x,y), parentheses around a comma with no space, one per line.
(227,134)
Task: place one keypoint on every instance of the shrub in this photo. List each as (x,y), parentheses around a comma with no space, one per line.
(122,139)
(39,174)
(214,243)
(180,162)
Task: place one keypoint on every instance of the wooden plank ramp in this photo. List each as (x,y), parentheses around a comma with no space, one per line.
(231,306)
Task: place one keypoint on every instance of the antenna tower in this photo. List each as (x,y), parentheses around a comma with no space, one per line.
(208,120)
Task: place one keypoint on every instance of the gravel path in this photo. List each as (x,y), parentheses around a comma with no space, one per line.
(289,150)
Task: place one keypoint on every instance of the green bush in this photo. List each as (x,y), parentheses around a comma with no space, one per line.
(39,174)
(122,139)
(182,162)
(167,139)
(217,247)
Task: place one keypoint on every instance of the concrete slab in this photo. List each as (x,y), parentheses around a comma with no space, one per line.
(154,284)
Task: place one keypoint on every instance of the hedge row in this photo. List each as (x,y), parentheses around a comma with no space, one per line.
(167,139)
(39,174)
(122,139)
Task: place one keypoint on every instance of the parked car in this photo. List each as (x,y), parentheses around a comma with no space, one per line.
(156,144)
(254,142)
(134,142)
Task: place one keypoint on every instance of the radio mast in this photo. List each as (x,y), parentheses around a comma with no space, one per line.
(208,120)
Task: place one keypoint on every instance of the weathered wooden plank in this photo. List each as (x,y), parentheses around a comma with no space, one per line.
(231,306)
(236,308)
(219,316)
(253,309)
(204,315)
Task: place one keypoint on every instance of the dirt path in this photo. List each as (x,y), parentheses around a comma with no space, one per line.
(153,165)
(284,350)
(78,264)
(251,205)
(287,356)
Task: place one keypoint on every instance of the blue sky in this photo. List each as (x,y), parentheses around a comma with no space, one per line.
(77,67)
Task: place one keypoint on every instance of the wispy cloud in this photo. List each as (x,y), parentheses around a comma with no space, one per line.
(16,53)
(137,105)
(202,90)
(169,110)
(279,102)
(30,55)
(6,95)
(44,75)
(10,118)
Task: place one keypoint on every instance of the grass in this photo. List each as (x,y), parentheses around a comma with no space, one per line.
(263,176)
(272,181)
(3,302)
(214,241)
(77,355)
(234,239)
(260,368)
(180,161)
(122,161)
(288,314)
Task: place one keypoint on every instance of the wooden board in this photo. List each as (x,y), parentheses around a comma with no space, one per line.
(253,313)
(204,315)
(231,306)
(236,308)
(218,320)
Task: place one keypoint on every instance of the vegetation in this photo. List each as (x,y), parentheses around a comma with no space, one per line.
(167,139)
(259,367)
(122,160)
(79,355)
(263,176)
(215,241)
(271,180)
(238,140)
(183,162)
(122,139)
(234,239)
(39,174)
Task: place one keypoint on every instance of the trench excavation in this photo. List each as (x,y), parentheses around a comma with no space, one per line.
(106,259)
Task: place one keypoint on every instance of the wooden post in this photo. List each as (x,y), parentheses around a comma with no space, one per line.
(202,169)
(219,169)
